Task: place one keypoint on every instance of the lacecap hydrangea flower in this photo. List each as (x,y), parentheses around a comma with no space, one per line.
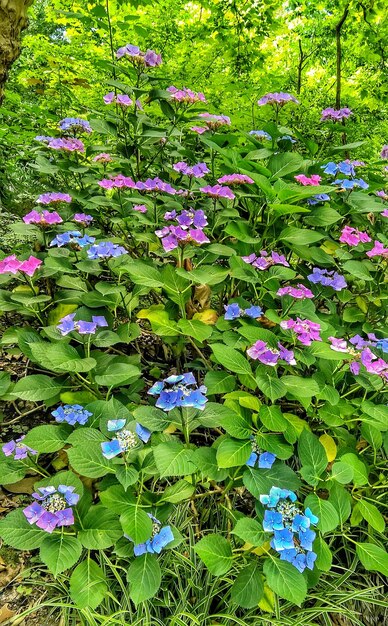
(124,439)
(193,171)
(377,250)
(300,292)
(53,198)
(291,527)
(105,250)
(335,115)
(234,311)
(313,180)
(71,414)
(327,278)
(138,58)
(260,135)
(277,99)
(83,219)
(52,507)
(218,191)
(265,260)
(344,167)
(68,324)
(361,354)
(213,122)
(181,390)
(353,237)
(235,179)
(185,96)
(259,458)
(17,449)
(102,157)
(68,145)
(42,218)
(306,331)
(74,238)
(122,100)
(345,184)
(318,198)
(12,265)
(160,538)
(75,125)
(261,351)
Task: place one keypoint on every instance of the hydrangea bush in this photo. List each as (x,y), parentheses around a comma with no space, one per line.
(203,313)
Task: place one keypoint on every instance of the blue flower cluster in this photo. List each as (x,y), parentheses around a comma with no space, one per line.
(75,124)
(263,460)
(124,440)
(346,184)
(160,538)
(382,344)
(327,279)
(179,391)
(345,167)
(319,197)
(72,414)
(72,237)
(105,250)
(234,311)
(292,534)
(260,134)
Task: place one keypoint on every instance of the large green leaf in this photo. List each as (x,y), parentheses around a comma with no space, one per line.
(136,524)
(88,585)
(60,552)
(216,552)
(100,528)
(144,576)
(89,461)
(373,557)
(173,459)
(248,588)
(285,580)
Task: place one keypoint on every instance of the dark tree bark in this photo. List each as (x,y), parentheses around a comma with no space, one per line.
(13,19)
(338,29)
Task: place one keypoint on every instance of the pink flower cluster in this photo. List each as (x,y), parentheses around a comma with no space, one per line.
(353,237)
(377,250)
(185,95)
(362,355)
(152,185)
(12,265)
(140,59)
(194,171)
(118,182)
(121,99)
(313,180)
(51,198)
(213,122)
(277,99)
(335,115)
(235,179)
(103,157)
(44,219)
(264,261)
(83,219)
(183,233)
(260,351)
(68,145)
(300,292)
(140,208)
(218,191)
(306,331)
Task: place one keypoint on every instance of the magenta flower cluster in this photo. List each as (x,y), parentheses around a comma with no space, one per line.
(300,292)
(235,179)
(70,144)
(185,96)
(193,171)
(12,265)
(306,331)
(313,180)
(335,115)
(212,122)
(177,235)
(52,507)
(218,191)
(53,198)
(277,99)
(44,218)
(122,100)
(261,351)
(362,355)
(353,237)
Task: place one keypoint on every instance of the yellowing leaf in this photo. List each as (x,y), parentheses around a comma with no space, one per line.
(267,602)
(209,316)
(60,311)
(330,447)
(262,549)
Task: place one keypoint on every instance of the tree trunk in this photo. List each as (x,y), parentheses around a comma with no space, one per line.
(13,19)
(338,29)
(300,68)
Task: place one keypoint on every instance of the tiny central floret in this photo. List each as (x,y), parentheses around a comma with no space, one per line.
(127,439)
(55,503)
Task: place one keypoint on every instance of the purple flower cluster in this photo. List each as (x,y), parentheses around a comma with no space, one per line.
(83,219)
(52,507)
(185,96)
(124,439)
(102,157)
(194,171)
(218,191)
(74,238)
(353,237)
(17,449)
(155,185)
(360,350)
(327,278)
(51,198)
(277,99)
(306,331)
(173,236)
(105,250)
(335,115)
(121,99)
(140,208)
(260,351)
(118,182)
(300,292)
(68,145)
(75,125)
(138,58)
(235,179)
(67,325)
(234,311)
(265,260)
(179,391)
(213,122)
(71,414)
(43,219)
(384,152)
(377,250)
(291,528)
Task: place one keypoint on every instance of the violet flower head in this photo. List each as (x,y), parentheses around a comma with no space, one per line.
(260,351)
(17,449)
(384,213)
(234,311)
(124,439)
(345,184)
(313,180)
(265,260)
(235,179)
(352,237)
(138,58)
(218,191)
(140,208)
(261,135)
(300,292)
(67,145)
(212,122)
(384,152)
(43,219)
(83,219)
(52,507)
(318,198)
(174,236)
(155,185)
(335,115)
(105,250)
(75,125)
(43,139)
(185,96)
(53,198)
(68,324)
(71,414)
(193,171)
(102,157)
(306,331)
(259,458)
(189,217)
(160,538)
(117,182)
(381,194)
(278,99)
(327,279)
(179,390)
(377,250)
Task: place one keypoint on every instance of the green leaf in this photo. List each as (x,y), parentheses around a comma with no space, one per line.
(233,452)
(272,387)
(360,470)
(88,585)
(60,357)
(272,418)
(324,556)
(341,500)
(144,577)
(285,580)
(117,498)
(89,461)
(18,533)
(36,387)
(232,360)
(11,471)
(181,490)
(143,274)
(250,531)
(196,329)
(215,551)
(100,528)
(127,475)
(248,588)
(323,351)
(284,163)
(136,524)
(342,473)
(300,387)
(219,382)
(60,552)
(206,461)
(173,459)
(373,557)
(300,236)
(325,511)
(312,453)
(117,374)
(359,269)
(47,438)
(372,515)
